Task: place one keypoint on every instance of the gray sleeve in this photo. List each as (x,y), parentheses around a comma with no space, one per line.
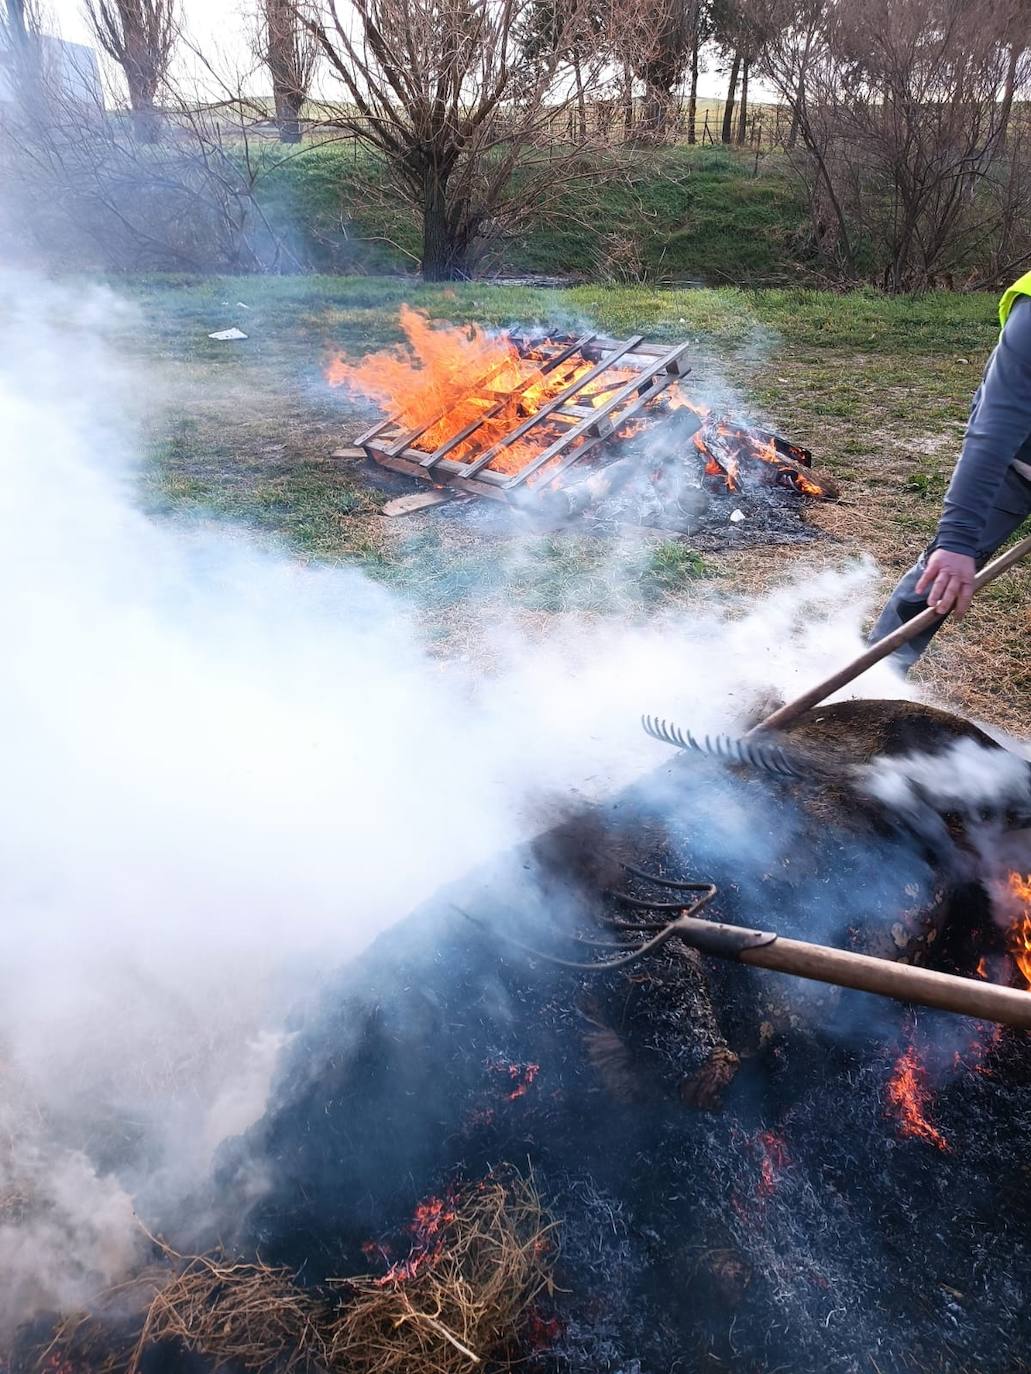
(1000,423)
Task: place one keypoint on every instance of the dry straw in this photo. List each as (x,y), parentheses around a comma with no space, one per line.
(457,1304)
(466,1305)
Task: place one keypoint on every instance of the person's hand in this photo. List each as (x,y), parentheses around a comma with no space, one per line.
(950,577)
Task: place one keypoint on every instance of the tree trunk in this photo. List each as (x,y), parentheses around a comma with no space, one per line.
(144,115)
(142,83)
(799,100)
(742,119)
(443,259)
(1006,107)
(692,97)
(796,111)
(581,99)
(652,127)
(288,120)
(728,109)
(628,104)
(17,27)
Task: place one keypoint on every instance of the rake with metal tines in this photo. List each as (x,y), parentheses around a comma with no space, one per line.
(745,753)
(765,949)
(659,931)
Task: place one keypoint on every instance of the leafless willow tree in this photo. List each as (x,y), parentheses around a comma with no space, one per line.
(19,30)
(901,107)
(139,35)
(81,191)
(657,38)
(460,118)
(15,23)
(289,50)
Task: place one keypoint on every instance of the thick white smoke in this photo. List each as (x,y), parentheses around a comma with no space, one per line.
(225,772)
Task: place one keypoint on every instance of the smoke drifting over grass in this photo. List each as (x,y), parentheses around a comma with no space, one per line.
(226,772)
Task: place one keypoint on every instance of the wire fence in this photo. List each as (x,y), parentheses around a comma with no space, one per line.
(764,128)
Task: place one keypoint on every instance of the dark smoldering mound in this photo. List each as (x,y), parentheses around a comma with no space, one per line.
(798,1228)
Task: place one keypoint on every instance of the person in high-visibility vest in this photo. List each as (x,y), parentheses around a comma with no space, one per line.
(990,492)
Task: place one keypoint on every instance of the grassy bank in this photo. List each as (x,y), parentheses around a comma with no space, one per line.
(878,388)
(705,213)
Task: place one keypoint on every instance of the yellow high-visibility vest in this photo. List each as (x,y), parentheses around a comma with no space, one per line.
(1021,287)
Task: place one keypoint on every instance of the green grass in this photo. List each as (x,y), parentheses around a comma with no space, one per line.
(943,327)
(699,213)
(877,387)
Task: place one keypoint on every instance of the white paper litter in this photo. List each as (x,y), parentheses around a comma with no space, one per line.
(243,306)
(737,516)
(228,334)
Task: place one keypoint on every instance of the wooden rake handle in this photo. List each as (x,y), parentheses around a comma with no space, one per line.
(784,715)
(884,977)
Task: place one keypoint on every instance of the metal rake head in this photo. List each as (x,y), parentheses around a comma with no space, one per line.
(659,931)
(768,758)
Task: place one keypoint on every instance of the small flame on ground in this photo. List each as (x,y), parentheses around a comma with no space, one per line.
(543,1332)
(772,1152)
(522,1076)
(428,1227)
(1020,931)
(908,1095)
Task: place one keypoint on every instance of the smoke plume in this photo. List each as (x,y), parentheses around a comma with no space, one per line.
(226,772)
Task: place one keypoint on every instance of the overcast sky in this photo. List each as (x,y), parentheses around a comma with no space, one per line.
(219,21)
(221,29)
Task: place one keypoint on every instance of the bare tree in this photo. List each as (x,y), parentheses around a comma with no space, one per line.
(901,109)
(459,118)
(15,22)
(656,37)
(289,50)
(81,191)
(139,35)
(21,59)
(697,20)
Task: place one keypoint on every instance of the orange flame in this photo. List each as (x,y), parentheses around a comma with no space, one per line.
(445,379)
(521,1076)
(428,1226)
(908,1095)
(1020,931)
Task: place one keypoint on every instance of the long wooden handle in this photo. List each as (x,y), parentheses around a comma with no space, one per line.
(784,715)
(904,982)
(966,996)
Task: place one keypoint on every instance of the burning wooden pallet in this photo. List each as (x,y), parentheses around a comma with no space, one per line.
(510,415)
(571,397)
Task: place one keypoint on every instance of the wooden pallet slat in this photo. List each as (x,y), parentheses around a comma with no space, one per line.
(411,435)
(363,439)
(576,346)
(644,394)
(576,454)
(554,404)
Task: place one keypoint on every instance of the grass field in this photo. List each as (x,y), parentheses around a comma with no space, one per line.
(878,388)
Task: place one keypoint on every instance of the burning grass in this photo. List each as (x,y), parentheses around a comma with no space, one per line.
(479,1260)
(909,1098)
(479,1265)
